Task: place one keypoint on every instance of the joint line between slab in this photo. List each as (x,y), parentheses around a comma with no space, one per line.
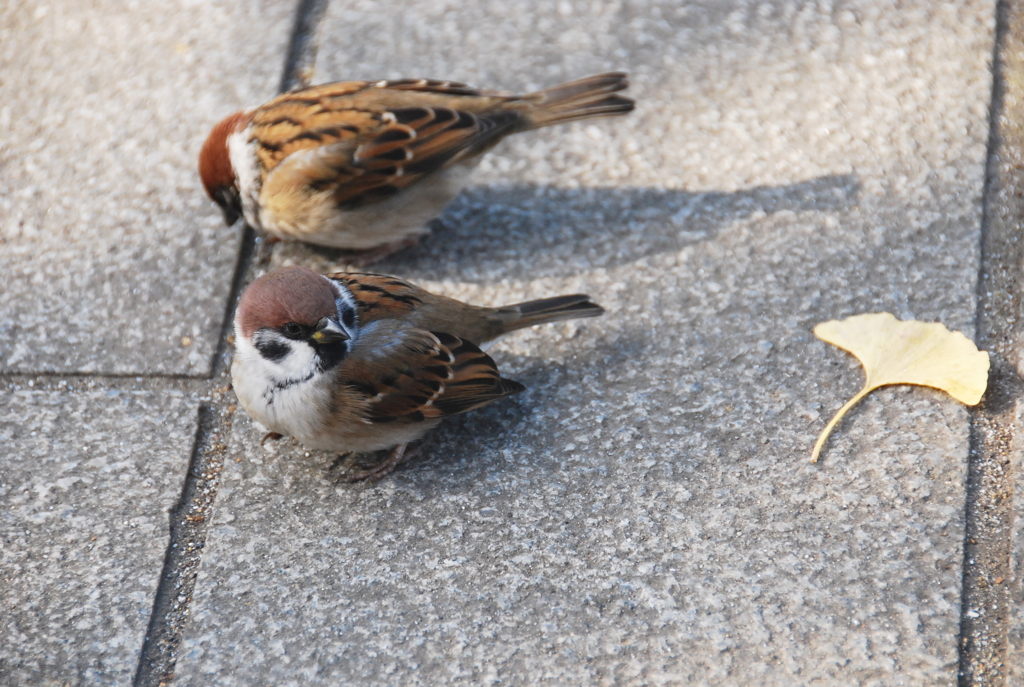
(993,437)
(116,376)
(243,266)
(304,42)
(190,518)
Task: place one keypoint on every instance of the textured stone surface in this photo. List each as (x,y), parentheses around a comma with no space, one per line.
(86,483)
(113,258)
(1015,583)
(645,512)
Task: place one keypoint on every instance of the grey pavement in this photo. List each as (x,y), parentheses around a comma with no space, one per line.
(84,526)
(645,513)
(1007,187)
(104,224)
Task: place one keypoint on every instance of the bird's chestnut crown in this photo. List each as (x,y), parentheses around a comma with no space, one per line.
(215,168)
(292,301)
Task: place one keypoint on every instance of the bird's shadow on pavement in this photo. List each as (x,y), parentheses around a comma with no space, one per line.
(532,231)
(468,448)
(496,232)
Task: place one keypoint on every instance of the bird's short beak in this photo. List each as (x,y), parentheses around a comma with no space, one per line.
(230,204)
(329,331)
(230,216)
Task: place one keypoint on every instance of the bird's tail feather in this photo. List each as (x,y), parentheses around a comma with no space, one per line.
(593,96)
(549,310)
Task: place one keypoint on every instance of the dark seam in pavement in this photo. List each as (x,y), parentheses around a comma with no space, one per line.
(242,268)
(196,389)
(190,518)
(984,622)
(100,375)
(298,68)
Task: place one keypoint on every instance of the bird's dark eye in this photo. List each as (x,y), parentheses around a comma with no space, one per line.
(292,330)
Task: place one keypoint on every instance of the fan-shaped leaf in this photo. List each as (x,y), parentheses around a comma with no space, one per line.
(911,352)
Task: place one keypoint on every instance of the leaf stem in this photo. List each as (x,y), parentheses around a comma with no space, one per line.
(835,420)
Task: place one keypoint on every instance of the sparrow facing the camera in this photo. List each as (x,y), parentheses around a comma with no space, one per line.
(360,362)
(364,165)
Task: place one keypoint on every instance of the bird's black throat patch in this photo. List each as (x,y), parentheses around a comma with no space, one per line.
(330,355)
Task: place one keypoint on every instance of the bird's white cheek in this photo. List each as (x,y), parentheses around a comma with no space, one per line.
(249,381)
(284,395)
(242,152)
(299,364)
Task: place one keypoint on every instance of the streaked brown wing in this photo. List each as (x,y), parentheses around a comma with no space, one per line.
(415,141)
(430,86)
(304,120)
(374,138)
(378,295)
(475,382)
(420,375)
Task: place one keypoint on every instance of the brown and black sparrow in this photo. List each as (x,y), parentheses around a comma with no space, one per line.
(364,165)
(361,362)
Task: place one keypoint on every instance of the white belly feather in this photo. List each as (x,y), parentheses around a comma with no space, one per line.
(299,404)
(315,219)
(288,208)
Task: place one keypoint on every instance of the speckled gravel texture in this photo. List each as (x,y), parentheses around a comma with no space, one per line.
(1015,597)
(88,478)
(1010,211)
(113,259)
(990,632)
(645,513)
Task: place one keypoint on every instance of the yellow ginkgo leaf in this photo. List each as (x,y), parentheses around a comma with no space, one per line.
(912,352)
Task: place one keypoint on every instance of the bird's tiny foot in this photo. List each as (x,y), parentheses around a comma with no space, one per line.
(271,436)
(343,463)
(399,455)
(265,248)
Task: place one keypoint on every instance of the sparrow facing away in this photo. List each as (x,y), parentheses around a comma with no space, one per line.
(364,165)
(354,362)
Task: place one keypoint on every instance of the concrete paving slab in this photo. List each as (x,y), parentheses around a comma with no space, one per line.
(645,513)
(87,480)
(992,628)
(1015,581)
(113,259)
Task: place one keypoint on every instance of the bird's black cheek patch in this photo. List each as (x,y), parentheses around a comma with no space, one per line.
(272,350)
(348,317)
